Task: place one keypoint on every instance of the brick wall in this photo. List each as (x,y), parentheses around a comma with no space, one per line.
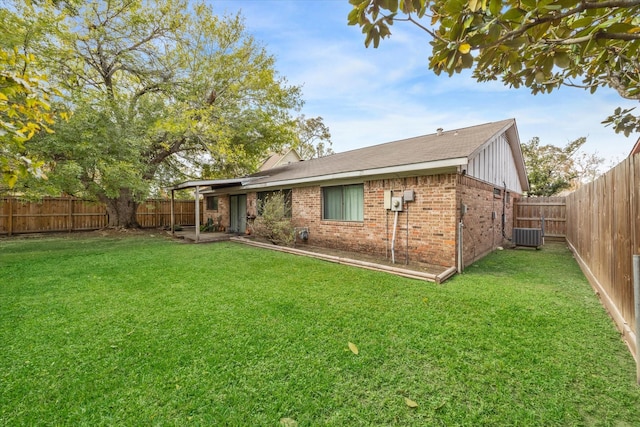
(427,227)
(223,211)
(483,230)
(425,232)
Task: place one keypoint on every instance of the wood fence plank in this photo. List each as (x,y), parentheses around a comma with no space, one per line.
(529,211)
(70,214)
(602,228)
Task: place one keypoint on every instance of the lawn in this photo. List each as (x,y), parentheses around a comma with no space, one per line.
(148,331)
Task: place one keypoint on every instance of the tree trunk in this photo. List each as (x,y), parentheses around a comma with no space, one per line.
(121,211)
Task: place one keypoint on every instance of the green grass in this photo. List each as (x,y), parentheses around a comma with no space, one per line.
(146,331)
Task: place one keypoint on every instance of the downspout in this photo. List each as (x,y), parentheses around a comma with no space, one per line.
(463,211)
(504,213)
(460,246)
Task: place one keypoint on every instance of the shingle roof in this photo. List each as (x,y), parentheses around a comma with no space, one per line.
(453,144)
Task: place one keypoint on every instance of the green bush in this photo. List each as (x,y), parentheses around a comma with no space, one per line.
(207,226)
(274,224)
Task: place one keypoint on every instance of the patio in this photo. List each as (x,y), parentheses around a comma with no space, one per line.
(188,233)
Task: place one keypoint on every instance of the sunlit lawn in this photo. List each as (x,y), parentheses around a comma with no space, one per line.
(148,331)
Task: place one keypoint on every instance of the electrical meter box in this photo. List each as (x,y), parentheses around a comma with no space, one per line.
(387,199)
(396,204)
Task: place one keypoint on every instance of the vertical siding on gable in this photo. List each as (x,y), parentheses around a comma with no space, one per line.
(496,165)
(290,157)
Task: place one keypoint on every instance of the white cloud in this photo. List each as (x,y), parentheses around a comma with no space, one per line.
(369,96)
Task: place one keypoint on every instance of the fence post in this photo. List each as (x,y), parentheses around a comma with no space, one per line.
(636,298)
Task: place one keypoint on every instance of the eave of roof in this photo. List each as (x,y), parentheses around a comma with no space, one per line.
(451,148)
(435,153)
(636,148)
(273,181)
(213,183)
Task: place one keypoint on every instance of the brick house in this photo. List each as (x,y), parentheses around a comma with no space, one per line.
(444,199)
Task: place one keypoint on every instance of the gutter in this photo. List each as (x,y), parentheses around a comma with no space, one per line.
(390,170)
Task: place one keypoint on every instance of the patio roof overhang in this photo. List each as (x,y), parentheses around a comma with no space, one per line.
(213,183)
(197,184)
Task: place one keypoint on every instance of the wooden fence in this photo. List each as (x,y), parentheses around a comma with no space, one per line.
(529,211)
(603,230)
(69,214)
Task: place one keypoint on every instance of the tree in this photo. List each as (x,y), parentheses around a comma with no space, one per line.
(588,167)
(157,88)
(25,96)
(314,138)
(541,45)
(552,169)
(24,111)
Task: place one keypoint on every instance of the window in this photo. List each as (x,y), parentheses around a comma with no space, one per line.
(343,203)
(263,195)
(212,203)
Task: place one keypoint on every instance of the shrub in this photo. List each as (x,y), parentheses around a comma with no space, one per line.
(274,224)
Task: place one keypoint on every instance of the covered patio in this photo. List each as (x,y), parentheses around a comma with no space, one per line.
(194,234)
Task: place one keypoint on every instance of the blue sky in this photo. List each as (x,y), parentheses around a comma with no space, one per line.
(369,96)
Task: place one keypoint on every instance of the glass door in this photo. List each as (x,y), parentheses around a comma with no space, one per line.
(238,214)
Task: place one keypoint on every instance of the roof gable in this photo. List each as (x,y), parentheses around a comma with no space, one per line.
(442,149)
(441,152)
(279,159)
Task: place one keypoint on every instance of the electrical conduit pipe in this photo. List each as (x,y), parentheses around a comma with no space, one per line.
(393,238)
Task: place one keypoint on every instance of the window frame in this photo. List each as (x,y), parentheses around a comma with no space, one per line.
(215,202)
(344,208)
(288,199)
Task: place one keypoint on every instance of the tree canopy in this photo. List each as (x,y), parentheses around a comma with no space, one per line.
(313,138)
(157,89)
(25,96)
(541,45)
(552,169)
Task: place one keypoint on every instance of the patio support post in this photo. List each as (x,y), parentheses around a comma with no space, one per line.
(173,214)
(197,213)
